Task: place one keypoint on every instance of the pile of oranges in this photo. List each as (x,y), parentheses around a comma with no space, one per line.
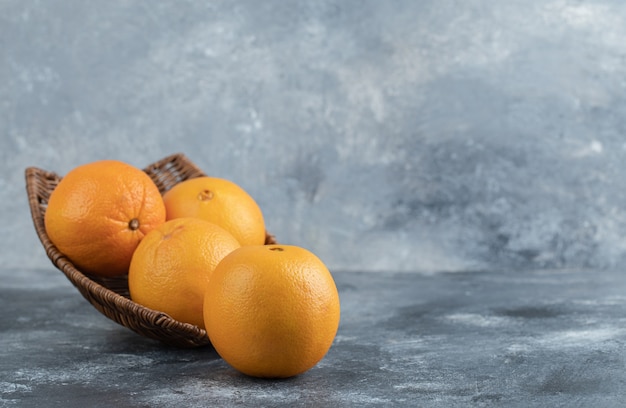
(198,253)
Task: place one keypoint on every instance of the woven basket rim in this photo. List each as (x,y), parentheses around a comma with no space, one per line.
(151,323)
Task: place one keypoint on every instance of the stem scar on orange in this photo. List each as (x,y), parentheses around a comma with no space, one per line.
(221,202)
(99,212)
(271,311)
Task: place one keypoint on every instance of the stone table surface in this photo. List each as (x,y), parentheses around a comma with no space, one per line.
(476,338)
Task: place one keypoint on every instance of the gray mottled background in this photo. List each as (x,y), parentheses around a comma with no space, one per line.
(400,135)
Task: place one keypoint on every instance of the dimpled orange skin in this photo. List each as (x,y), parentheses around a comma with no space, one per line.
(171,266)
(99,212)
(271,311)
(221,202)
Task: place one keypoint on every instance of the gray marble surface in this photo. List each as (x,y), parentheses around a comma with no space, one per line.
(543,338)
(416,135)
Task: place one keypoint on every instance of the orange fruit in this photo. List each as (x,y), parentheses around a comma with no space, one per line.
(221,202)
(172,264)
(99,212)
(271,310)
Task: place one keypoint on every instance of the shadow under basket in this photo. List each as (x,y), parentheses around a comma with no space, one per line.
(110,296)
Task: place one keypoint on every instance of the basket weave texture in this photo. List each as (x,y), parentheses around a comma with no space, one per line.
(110,296)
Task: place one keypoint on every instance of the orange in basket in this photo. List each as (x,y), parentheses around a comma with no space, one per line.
(173,263)
(99,213)
(221,202)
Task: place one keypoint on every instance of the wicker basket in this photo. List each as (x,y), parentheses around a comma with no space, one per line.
(110,296)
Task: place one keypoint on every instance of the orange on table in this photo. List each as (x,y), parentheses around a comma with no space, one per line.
(172,264)
(272,310)
(99,212)
(221,202)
